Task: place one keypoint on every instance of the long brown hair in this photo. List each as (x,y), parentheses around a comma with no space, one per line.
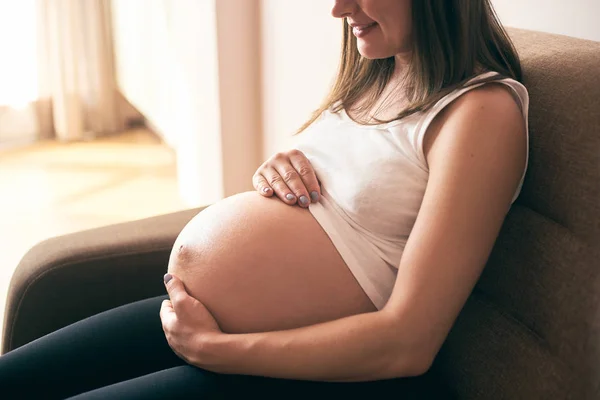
(451,40)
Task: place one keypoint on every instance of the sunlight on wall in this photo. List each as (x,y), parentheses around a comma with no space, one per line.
(577,18)
(299,65)
(18,41)
(191,68)
(166,66)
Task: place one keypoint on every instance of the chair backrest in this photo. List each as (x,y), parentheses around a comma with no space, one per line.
(531,328)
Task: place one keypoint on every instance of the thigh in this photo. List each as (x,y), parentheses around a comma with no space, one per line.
(109,347)
(187,382)
(182,382)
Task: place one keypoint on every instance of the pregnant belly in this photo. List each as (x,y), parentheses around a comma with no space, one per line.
(260,265)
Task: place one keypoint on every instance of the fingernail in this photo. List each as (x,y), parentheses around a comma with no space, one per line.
(266,189)
(290,196)
(167,278)
(314,196)
(303,200)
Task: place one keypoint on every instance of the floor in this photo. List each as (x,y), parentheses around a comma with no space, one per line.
(49,189)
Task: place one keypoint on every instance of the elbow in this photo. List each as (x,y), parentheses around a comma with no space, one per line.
(419,367)
(410,368)
(410,363)
(410,353)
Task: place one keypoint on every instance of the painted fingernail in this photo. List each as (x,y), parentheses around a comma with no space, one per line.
(290,197)
(266,189)
(303,200)
(167,278)
(314,196)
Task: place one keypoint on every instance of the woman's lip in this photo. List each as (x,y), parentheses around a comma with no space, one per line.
(362,26)
(362,30)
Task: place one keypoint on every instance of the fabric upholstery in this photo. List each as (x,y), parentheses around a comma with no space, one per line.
(531,329)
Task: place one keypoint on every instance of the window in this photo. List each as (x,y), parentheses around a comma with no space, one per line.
(18,52)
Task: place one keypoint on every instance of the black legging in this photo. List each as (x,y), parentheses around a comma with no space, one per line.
(123,354)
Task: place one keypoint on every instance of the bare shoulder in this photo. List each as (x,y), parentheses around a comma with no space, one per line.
(491,103)
(493,95)
(480,136)
(485,114)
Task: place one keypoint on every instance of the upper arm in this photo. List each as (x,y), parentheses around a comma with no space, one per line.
(476,151)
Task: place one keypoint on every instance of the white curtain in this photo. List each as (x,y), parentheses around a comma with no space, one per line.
(59,80)
(77,86)
(18,76)
(192,68)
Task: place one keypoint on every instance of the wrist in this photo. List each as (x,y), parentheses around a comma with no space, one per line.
(216,351)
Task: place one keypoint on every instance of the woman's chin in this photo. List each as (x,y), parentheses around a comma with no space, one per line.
(371,53)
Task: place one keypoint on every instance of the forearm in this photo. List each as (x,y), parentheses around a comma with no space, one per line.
(357,348)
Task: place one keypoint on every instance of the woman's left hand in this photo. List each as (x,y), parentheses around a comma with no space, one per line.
(186,323)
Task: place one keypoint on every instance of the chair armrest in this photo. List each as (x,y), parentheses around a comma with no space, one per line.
(68,278)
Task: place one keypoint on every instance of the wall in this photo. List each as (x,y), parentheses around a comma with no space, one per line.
(275,62)
(143,59)
(578,18)
(191,67)
(300,53)
(238,39)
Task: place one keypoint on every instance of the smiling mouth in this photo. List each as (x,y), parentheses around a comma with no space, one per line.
(362,30)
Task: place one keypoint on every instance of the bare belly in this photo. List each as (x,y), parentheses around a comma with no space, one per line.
(258,265)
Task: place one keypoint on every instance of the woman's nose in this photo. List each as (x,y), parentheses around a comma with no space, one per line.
(343,8)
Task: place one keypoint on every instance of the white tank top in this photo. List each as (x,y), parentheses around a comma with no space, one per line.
(373,180)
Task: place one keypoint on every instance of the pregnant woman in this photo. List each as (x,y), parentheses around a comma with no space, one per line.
(346,268)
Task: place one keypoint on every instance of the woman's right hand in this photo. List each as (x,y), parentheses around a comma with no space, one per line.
(290,176)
